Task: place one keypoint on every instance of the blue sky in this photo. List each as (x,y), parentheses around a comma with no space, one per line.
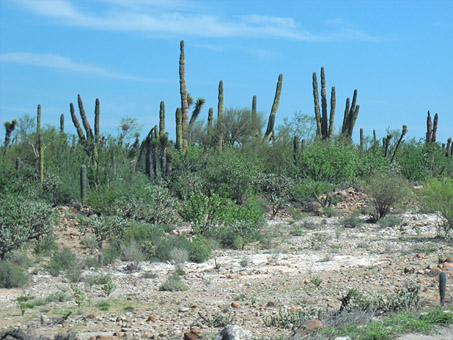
(397,54)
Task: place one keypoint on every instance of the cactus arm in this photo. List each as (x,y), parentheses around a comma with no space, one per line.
(220,116)
(323,104)
(333,102)
(316,103)
(85,123)
(184,103)
(271,122)
(76,123)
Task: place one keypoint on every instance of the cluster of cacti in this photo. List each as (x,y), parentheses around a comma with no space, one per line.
(350,116)
(270,124)
(324,126)
(431,128)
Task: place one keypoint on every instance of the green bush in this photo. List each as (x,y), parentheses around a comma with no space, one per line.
(437,196)
(390,221)
(386,189)
(173,284)
(63,260)
(11,275)
(308,190)
(200,249)
(22,221)
(352,221)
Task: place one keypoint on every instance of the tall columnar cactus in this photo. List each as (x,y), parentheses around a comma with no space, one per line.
(442,286)
(271,121)
(449,146)
(62,123)
(350,116)
(316,103)
(220,117)
(184,103)
(85,123)
(154,145)
(324,124)
(178,129)
(76,123)
(209,128)
(83,183)
(255,118)
(296,148)
(361,140)
(41,158)
(97,132)
(403,133)
(431,129)
(162,119)
(38,119)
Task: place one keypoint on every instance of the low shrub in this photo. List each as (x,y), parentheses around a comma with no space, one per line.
(390,221)
(386,189)
(437,196)
(173,284)
(63,260)
(352,221)
(200,249)
(11,275)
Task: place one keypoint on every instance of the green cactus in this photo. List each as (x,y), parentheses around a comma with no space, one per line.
(38,119)
(85,123)
(403,133)
(179,129)
(350,116)
(442,286)
(448,147)
(184,102)
(255,118)
(386,143)
(209,127)
(76,123)
(41,158)
(220,117)
(83,183)
(324,125)
(361,140)
(162,119)
(271,121)
(97,132)
(431,129)
(296,149)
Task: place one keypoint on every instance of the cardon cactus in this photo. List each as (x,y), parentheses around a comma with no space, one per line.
(38,118)
(442,286)
(62,122)
(83,182)
(184,102)
(220,117)
(41,158)
(178,129)
(324,124)
(271,121)
(431,128)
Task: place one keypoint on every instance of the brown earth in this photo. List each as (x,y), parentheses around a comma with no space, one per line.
(309,262)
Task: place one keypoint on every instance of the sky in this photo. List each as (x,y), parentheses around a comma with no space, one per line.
(397,54)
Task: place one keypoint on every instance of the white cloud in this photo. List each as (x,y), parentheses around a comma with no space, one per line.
(157,18)
(64,64)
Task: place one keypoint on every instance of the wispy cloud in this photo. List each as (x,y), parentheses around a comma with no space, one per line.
(158,18)
(64,64)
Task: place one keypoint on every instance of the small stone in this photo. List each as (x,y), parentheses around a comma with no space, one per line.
(195,331)
(183,309)
(409,270)
(190,336)
(91,316)
(342,338)
(270,304)
(434,272)
(151,318)
(235,304)
(313,325)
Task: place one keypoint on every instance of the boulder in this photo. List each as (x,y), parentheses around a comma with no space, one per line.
(233,332)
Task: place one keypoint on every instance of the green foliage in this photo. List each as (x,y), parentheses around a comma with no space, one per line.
(200,249)
(79,295)
(352,221)
(386,189)
(11,275)
(278,190)
(390,221)
(173,284)
(437,196)
(22,221)
(309,189)
(63,260)
(108,287)
(104,305)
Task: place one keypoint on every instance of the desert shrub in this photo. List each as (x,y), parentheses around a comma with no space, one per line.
(132,251)
(231,174)
(22,221)
(237,234)
(390,221)
(173,284)
(11,275)
(46,245)
(309,189)
(277,189)
(110,253)
(386,189)
(200,249)
(437,196)
(54,190)
(352,221)
(63,260)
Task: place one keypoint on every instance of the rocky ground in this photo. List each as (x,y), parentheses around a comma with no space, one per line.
(308,262)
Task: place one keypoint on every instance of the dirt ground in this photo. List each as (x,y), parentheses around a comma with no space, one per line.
(307,262)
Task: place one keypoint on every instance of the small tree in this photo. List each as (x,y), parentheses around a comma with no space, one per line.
(386,189)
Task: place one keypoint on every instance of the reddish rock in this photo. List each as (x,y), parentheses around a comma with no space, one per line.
(151,318)
(313,325)
(434,272)
(91,316)
(235,304)
(190,336)
(195,331)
